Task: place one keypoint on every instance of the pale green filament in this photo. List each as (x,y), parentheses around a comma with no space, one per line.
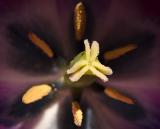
(87,63)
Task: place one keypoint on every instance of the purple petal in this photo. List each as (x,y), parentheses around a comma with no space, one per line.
(52,24)
(107,14)
(105,117)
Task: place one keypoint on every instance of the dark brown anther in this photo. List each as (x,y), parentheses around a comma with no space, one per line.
(79,21)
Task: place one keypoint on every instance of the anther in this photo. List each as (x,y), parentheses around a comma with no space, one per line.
(77,113)
(41,44)
(113,93)
(35,93)
(79,20)
(118,52)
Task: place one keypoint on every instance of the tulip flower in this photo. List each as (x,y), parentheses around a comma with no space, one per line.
(79,64)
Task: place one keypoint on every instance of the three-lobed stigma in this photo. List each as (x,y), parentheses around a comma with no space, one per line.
(87,63)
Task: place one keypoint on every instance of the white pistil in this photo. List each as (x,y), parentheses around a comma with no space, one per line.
(87,63)
(77,75)
(76,66)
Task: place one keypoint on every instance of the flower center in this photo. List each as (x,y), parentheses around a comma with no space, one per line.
(87,63)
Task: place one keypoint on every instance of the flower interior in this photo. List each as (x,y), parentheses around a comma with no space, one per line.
(83,70)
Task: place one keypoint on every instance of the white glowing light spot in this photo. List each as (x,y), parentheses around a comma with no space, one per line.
(49,118)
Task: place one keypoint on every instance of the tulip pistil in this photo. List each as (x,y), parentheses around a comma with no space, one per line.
(87,63)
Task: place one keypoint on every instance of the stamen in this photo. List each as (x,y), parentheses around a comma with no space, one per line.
(87,63)
(77,113)
(113,54)
(36,93)
(41,44)
(113,93)
(79,20)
